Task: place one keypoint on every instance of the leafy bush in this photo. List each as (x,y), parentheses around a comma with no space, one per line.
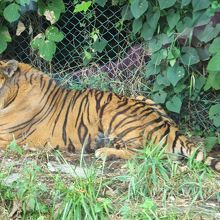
(182,37)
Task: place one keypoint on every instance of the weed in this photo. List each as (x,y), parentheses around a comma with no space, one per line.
(81,200)
(14,148)
(145,210)
(148,171)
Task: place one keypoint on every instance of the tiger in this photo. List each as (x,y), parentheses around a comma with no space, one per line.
(37,112)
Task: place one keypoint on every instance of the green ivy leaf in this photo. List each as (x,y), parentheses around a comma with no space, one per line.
(87,57)
(162,80)
(208,33)
(100,45)
(53,34)
(155,44)
(4,38)
(150,25)
(175,74)
(213,81)
(158,56)
(201,17)
(179,88)
(190,56)
(160,96)
(51,9)
(166,3)
(24,2)
(47,50)
(172,19)
(185,3)
(174,104)
(215,46)
(214,114)
(203,53)
(126,13)
(200,4)
(12,12)
(3,45)
(214,63)
(137,25)
(210,142)
(37,41)
(183,24)
(152,19)
(151,69)
(200,82)
(84,6)
(101,3)
(147,32)
(157,87)
(138,7)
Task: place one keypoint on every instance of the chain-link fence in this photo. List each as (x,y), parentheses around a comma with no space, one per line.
(78,52)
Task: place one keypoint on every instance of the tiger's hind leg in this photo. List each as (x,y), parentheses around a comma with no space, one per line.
(107,153)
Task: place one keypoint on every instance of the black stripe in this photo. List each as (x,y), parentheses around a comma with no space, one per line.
(61,108)
(152,131)
(41,80)
(48,111)
(167,131)
(128,130)
(48,88)
(88,148)
(31,78)
(80,108)
(25,76)
(44,83)
(116,115)
(98,97)
(137,108)
(65,122)
(177,134)
(82,131)
(76,96)
(123,103)
(71,148)
(24,124)
(134,139)
(101,112)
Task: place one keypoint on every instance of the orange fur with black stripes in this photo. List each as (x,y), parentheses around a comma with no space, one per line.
(37,112)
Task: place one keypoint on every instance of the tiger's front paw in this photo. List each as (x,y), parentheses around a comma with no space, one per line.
(106,154)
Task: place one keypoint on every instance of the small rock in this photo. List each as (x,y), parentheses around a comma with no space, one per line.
(74,171)
(11,178)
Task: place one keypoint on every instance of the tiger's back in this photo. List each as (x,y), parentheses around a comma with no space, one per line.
(37,112)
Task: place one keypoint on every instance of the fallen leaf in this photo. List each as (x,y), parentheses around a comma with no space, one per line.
(20,28)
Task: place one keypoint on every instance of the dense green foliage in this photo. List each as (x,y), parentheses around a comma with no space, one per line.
(182,35)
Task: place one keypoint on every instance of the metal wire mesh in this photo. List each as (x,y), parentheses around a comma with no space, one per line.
(77,29)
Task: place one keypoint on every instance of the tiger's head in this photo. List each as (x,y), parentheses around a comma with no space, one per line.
(22,81)
(7,70)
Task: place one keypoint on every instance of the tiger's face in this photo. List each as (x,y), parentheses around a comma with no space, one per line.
(7,70)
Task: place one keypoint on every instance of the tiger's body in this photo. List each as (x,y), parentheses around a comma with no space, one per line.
(36,111)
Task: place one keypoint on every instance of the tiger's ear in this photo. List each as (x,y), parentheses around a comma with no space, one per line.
(9,68)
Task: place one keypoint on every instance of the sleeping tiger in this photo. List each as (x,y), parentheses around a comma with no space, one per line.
(37,112)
